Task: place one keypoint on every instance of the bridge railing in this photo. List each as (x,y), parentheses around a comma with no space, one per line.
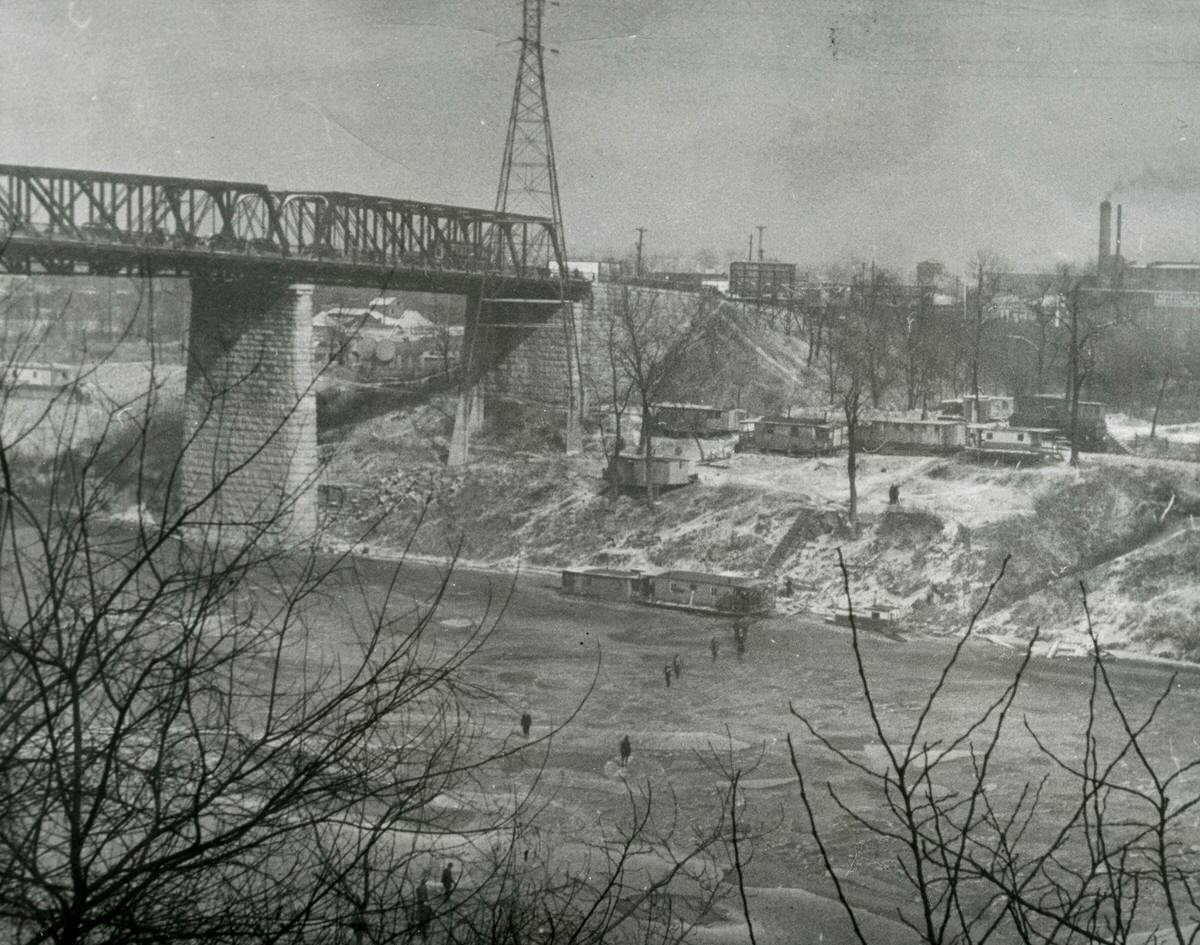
(70,211)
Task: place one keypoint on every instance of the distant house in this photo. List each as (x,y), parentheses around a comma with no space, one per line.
(348,316)
(412,323)
(45,379)
(802,435)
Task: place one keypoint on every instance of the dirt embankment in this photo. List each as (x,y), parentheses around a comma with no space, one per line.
(1122,526)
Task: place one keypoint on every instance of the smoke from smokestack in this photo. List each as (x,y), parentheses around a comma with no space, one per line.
(1167,180)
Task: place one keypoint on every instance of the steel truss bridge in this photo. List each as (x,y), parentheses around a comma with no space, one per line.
(68,222)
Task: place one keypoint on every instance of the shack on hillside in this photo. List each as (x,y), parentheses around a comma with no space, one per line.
(698,419)
(909,435)
(803,435)
(666,472)
(990,408)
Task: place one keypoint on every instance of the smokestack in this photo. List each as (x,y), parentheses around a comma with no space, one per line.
(1105,237)
(1117,246)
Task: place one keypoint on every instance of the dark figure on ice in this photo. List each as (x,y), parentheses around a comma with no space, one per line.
(447,881)
(626,751)
(788,587)
(667,675)
(526,723)
(714,647)
(424,912)
(676,664)
(740,629)
(894,495)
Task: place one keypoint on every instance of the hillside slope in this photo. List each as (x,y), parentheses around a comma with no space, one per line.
(1111,523)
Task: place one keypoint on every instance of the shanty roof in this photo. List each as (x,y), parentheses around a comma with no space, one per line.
(703,577)
(799,421)
(410,320)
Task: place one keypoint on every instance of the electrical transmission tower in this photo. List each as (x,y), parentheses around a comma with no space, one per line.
(528,179)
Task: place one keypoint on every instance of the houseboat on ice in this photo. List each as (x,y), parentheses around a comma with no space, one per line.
(1014,444)
(727,594)
(877,618)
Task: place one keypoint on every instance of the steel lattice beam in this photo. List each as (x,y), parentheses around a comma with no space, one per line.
(73,221)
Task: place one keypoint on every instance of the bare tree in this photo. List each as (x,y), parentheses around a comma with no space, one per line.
(1090,312)
(1086,852)
(650,345)
(1047,323)
(860,359)
(987,283)
(446,340)
(207,734)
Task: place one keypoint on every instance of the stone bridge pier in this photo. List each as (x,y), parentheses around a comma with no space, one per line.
(250,425)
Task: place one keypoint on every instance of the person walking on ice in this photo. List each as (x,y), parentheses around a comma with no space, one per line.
(667,675)
(676,665)
(526,723)
(626,750)
(447,881)
(714,647)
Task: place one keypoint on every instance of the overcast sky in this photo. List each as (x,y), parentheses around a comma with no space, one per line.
(893,130)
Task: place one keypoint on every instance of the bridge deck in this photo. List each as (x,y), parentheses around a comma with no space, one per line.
(70,221)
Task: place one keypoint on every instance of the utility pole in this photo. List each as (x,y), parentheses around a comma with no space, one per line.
(641,232)
(750,251)
(760,249)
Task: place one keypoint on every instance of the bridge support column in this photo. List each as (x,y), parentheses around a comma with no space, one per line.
(468,419)
(468,416)
(250,423)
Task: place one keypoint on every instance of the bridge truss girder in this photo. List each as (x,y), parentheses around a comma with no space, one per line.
(70,221)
